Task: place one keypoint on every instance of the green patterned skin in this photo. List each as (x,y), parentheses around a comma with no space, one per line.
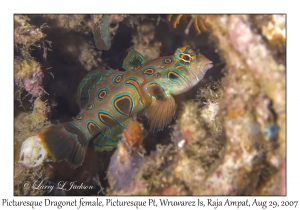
(109,99)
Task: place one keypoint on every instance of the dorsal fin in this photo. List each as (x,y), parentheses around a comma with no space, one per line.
(133,61)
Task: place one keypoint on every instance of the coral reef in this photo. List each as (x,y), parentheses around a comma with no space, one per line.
(28,124)
(229,134)
(28,73)
(24,179)
(252,111)
(32,152)
(196,148)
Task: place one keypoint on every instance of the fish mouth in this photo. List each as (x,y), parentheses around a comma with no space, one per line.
(209,65)
(204,65)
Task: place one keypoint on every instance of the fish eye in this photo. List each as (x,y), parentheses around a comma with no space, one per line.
(186,57)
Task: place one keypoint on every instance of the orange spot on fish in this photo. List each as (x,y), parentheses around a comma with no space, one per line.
(102,94)
(118,79)
(90,125)
(167,60)
(149,71)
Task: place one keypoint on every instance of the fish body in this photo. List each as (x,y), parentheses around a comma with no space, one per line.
(109,99)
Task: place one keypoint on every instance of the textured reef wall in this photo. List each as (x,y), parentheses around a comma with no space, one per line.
(229,133)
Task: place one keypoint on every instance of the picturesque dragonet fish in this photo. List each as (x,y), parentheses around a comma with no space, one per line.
(109,99)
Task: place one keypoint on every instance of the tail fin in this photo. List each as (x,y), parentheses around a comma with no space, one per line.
(65,142)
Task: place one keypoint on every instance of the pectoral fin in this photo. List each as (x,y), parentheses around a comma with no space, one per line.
(162,108)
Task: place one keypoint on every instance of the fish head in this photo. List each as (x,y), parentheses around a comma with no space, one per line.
(187,70)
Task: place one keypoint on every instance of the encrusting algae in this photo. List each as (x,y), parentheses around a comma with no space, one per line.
(203,135)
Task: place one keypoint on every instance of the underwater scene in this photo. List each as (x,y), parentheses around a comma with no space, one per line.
(120,104)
